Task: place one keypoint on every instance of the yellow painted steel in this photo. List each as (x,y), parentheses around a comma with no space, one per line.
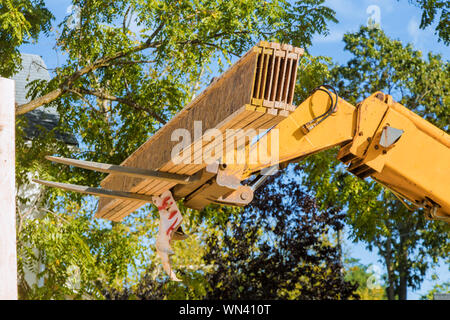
(293,143)
(415,168)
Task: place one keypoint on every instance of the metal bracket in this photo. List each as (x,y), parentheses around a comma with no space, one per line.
(265,174)
(431,210)
(229,176)
(431,214)
(242,196)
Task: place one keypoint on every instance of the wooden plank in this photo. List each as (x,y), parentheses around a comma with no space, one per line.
(153,186)
(258,76)
(244,120)
(284,113)
(231,140)
(125,206)
(259,123)
(8,255)
(180,191)
(247,114)
(267,53)
(244,112)
(249,81)
(229,94)
(287,80)
(129,207)
(114,213)
(148,187)
(202,197)
(294,81)
(277,119)
(281,78)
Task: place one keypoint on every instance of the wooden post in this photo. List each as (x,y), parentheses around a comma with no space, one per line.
(8,255)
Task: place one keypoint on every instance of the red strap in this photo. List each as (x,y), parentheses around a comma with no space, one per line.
(172,227)
(173,213)
(165,203)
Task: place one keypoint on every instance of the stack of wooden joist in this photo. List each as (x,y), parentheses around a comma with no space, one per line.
(256,92)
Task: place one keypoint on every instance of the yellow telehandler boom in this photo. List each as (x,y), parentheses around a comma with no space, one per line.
(378,138)
(251,106)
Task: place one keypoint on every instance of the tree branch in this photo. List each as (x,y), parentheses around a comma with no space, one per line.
(106,61)
(99,63)
(124,22)
(128,102)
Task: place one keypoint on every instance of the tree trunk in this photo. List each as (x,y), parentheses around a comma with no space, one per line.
(390,289)
(403,264)
(402,289)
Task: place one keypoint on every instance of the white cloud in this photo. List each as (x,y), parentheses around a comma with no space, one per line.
(417,35)
(346,8)
(420,38)
(413,29)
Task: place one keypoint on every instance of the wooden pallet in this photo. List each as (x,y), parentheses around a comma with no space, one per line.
(254,93)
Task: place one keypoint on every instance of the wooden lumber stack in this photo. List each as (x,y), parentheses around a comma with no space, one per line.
(256,92)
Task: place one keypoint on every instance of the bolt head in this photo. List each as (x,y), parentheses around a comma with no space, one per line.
(380,96)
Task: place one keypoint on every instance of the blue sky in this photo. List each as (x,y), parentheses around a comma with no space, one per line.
(398,19)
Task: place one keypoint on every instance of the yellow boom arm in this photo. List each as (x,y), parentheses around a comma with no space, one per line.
(379,138)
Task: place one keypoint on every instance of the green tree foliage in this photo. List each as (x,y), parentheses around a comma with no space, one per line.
(367,279)
(129,67)
(20,21)
(408,244)
(430,10)
(123,83)
(73,256)
(278,248)
(256,253)
(154,284)
(438,288)
(380,63)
